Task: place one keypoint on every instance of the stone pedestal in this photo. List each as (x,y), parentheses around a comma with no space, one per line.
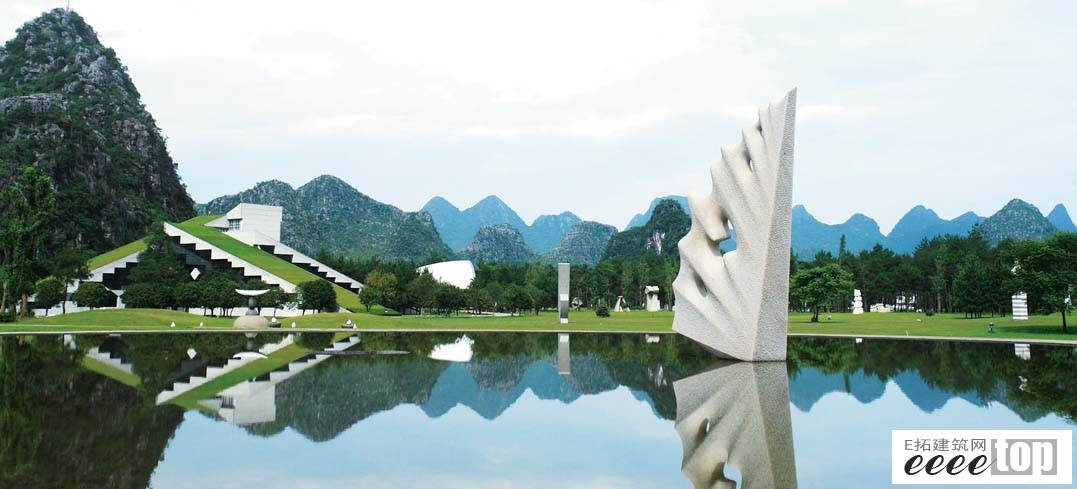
(251,319)
(1020,306)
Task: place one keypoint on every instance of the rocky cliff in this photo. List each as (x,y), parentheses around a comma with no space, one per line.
(68,106)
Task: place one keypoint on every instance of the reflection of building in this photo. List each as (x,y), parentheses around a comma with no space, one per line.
(255,401)
(736,414)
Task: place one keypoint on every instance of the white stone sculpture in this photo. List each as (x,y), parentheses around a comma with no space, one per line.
(653,302)
(858,302)
(736,304)
(736,415)
(618,307)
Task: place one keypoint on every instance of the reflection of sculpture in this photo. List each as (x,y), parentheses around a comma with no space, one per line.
(736,414)
(858,302)
(737,303)
(653,303)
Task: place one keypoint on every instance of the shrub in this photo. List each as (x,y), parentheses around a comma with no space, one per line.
(602,310)
(930,312)
(50,292)
(317,295)
(91,294)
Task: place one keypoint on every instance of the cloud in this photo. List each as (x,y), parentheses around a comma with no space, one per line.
(629,93)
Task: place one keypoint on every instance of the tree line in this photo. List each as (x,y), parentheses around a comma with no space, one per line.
(944,274)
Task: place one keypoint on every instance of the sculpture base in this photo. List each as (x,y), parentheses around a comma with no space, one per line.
(246,322)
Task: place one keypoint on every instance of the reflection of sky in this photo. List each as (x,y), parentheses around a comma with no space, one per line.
(609,440)
(843,443)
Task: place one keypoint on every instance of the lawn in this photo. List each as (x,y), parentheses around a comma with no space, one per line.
(106,258)
(899,324)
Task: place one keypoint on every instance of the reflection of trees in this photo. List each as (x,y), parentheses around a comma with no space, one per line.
(980,372)
(64,426)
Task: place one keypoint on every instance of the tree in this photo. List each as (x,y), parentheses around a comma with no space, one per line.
(450,298)
(381,288)
(975,287)
(146,295)
(317,295)
(219,291)
(274,299)
(190,294)
(368,297)
(515,298)
(158,263)
(92,295)
(1047,271)
(49,293)
(479,299)
(69,265)
(424,288)
(820,286)
(28,206)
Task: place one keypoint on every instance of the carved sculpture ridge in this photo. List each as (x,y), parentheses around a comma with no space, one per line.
(736,303)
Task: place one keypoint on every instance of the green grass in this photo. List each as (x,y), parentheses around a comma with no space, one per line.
(110,372)
(899,324)
(917,324)
(266,261)
(273,361)
(106,258)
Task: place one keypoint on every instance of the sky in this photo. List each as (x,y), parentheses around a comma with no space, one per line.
(599,106)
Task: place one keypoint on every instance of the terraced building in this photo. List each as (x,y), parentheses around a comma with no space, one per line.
(245,240)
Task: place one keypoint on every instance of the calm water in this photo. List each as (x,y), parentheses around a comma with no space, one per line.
(600,411)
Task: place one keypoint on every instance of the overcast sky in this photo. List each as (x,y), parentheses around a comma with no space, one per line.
(597,106)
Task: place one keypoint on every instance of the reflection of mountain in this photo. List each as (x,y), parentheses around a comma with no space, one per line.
(490,387)
(64,426)
(930,374)
(326,400)
(809,385)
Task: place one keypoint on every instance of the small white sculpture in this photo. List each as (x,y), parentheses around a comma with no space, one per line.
(173,325)
(618,307)
(858,302)
(736,304)
(653,303)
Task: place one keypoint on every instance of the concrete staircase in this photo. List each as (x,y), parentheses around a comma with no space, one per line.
(216,254)
(98,274)
(111,358)
(293,256)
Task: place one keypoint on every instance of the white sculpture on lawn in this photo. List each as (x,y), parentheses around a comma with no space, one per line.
(736,304)
(653,302)
(858,302)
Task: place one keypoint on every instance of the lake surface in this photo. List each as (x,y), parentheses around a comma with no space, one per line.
(527,410)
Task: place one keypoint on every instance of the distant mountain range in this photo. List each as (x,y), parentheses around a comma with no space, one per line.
(458,227)
(327,213)
(1017,220)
